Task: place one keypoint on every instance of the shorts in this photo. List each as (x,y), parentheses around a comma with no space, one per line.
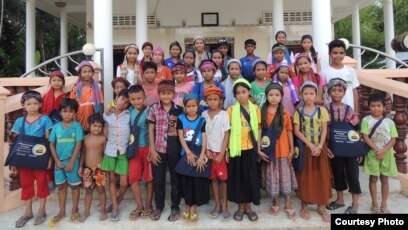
(72,177)
(385,167)
(31,177)
(117,164)
(219,170)
(92,177)
(140,167)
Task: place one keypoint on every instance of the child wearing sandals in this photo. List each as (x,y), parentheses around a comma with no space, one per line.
(217,129)
(380,160)
(310,125)
(91,158)
(65,144)
(276,149)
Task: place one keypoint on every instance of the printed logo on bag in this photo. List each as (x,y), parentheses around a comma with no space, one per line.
(39,150)
(296,155)
(131,139)
(265,142)
(353,136)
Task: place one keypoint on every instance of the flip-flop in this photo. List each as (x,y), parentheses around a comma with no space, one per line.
(113,216)
(174,215)
(305,214)
(109,208)
(215,213)
(350,210)
(375,210)
(22,221)
(146,214)
(290,212)
(156,215)
(39,219)
(186,215)
(54,221)
(325,215)
(226,214)
(334,205)
(135,214)
(274,210)
(252,216)
(384,211)
(238,215)
(74,217)
(193,217)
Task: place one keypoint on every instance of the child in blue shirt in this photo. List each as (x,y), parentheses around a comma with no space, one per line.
(247,61)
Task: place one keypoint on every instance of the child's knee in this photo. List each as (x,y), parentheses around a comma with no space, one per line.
(384,179)
(62,186)
(373,179)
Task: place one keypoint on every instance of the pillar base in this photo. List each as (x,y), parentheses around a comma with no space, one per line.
(404,183)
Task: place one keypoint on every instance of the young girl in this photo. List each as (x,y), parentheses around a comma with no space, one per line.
(195,190)
(193,75)
(258,86)
(234,73)
(277,141)
(290,98)
(175,55)
(217,128)
(147,49)
(129,69)
(37,125)
(243,182)
(278,52)
(218,58)
(306,73)
(310,125)
(118,84)
(306,43)
(88,94)
(182,88)
(54,96)
(163,72)
(199,47)
(280,37)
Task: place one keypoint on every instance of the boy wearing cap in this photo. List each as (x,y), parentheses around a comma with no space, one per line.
(182,88)
(246,61)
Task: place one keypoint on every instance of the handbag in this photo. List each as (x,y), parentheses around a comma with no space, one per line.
(344,140)
(268,141)
(55,116)
(367,148)
(183,168)
(134,136)
(29,151)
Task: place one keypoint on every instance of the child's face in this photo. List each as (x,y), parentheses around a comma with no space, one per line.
(309,95)
(118,87)
(234,70)
(137,99)
(279,55)
(306,44)
(260,71)
(304,65)
(217,58)
(179,76)
(283,74)
(208,74)
(147,51)
(223,49)
(337,55)
(86,73)
(158,58)
(191,107)
(189,59)
(199,45)
(149,75)
(274,97)
(281,38)
(32,106)
(166,97)
(242,94)
(68,114)
(337,93)
(122,103)
(56,83)
(250,49)
(175,51)
(214,101)
(131,54)
(376,108)
(95,128)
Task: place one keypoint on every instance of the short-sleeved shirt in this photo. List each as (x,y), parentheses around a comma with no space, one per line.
(118,133)
(182,91)
(282,144)
(312,125)
(152,95)
(188,126)
(287,100)
(246,128)
(165,127)
(215,129)
(384,132)
(164,74)
(36,128)
(66,138)
(258,93)
(169,62)
(339,113)
(247,70)
(142,123)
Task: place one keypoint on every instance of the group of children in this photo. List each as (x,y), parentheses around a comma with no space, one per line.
(241,132)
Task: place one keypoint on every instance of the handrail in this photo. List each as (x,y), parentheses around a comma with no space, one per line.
(364,48)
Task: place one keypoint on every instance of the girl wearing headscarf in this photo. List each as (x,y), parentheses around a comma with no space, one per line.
(129,69)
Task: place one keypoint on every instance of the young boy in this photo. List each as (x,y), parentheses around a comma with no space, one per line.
(246,61)
(182,88)
(337,52)
(92,175)
(65,144)
(223,46)
(165,149)
(149,85)
(139,166)
(278,53)
(380,160)
(345,169)
(118,84)
(115,160)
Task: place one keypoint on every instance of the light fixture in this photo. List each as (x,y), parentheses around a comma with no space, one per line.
(88,49)
(346,42)
(60,4)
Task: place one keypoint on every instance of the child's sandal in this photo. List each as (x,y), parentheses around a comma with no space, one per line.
(274,210)
(54,221)
(290,212)
(384,211)
(74,217)
(193,217)
(375,210)
(186,215)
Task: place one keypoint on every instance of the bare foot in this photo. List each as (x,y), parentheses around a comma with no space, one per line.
(83,218)
(103,216)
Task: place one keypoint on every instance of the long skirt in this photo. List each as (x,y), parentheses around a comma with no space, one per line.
(278,177)
(243,182)
(196,191)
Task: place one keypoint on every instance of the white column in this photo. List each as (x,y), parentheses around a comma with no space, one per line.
(322,28)
(89,22)
(64,39)
(103,36)
(30,35)
(141,22)
(356,34)
(389,31)
(277,17)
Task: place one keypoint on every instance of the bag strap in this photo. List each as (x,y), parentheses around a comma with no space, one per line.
(22,127)
(248,119)
(197,130)
(346,112)
(378,123)
(137,118)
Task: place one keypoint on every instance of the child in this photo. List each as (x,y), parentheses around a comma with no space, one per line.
(54,96)
(200,53)
(243,182)
(258,86)
(223,46)
(290,98)
(278,53)
(87,93)
(218,58)
(217,129)
(162,120)
(163,72)
(118,84)
(175,55)
(380,160)
(193,75)
(337,52)
(246,61)
(306,73)
(37,125)
(182,88)
(208,69)
(306,43)
(345,169)
(310,125)
(234,73)
(277,141)
(280,37)
(147,49)
(149,83)
(195,190)
(139,166)
(129,69)
(115,160)
(65,144)
(92,174)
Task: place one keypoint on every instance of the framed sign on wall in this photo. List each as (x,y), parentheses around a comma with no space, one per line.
(209,19)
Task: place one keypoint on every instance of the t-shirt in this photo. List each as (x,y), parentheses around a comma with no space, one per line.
(182,91)
(188,126)
(216,129)
(164,74)
(384,132)
(312,125)
(143,124)
(118,133)
(258,93)
(287,100)
(346,73)
(282,144)
(169,62)
(194,76)
(66,138)
(130,77)
(246,142)
(36,128)
(152,95)
(247,70)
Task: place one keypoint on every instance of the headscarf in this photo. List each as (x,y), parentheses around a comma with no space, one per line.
(312,76)
(120,79)
(229,95)
(51,103)
(210,90)
(124,66)
(291,86)
(94,85)
(234,61)
(165,87)
(208,64)
(188,97)
(336,81)
(279,47)
(179,67)
(308,83)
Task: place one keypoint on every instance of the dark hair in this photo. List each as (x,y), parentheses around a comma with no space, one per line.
(149,65)
(308,86)
(223,42)
(147,44)
(234,89)
(96,118)
(280,67)
(207,60)
(222,57)
(167,82)
(278,119)
(31,94)
(176,43)
(312,49)
(336,43)
(189,51)
(250,42)
(376,97)
(280,32)
(260,62)
(69,103)
(136,89)
(124,93)
(120,79)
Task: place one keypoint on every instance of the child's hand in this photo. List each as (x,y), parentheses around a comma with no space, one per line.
(329,153)
(290,156)
(317,151)
(49,166)
(154,157)
(201,163)
(227,157)
(58,163)
(80,171)
(359,160)
(69,167)
(209,155)
(219,157)
(263,156)
(109,111)
(379,154)
(13,169)
(191,158)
